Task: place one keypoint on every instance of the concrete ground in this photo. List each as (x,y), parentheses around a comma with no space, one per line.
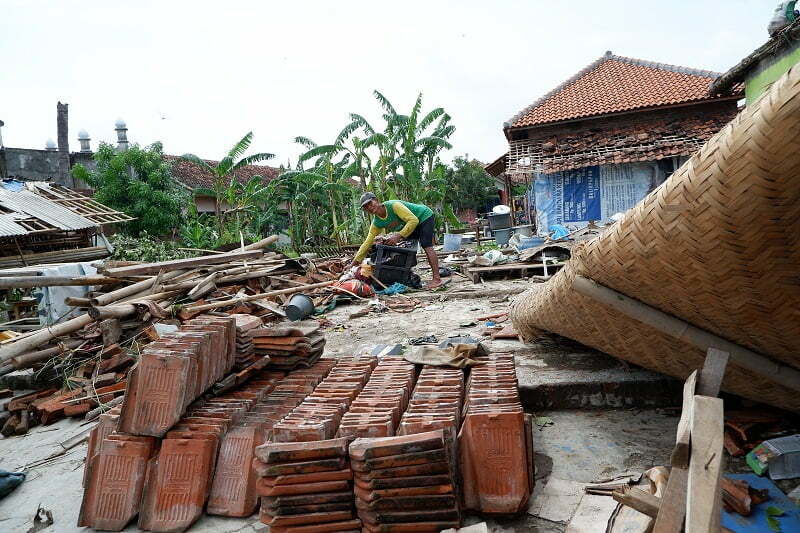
(556,376)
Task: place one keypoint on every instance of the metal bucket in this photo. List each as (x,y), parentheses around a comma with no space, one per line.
(501,236)
(298,307)
(452,242)
(524,231)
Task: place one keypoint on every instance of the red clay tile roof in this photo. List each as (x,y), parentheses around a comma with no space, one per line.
(195,177)
(613,84)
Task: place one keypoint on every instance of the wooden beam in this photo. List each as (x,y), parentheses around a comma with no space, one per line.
(681,452)
(705,466)
(642,501)
(25,282)
(756,363)
(710,379)
(175,264)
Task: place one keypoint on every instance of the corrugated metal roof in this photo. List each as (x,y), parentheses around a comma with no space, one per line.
(34,205)
(9,228)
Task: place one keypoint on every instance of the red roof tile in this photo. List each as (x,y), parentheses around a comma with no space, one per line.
(613,84)
(195,177)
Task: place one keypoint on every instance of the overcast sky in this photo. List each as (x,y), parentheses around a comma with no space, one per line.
(198,75)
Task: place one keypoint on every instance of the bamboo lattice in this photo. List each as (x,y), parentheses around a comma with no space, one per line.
(716,245)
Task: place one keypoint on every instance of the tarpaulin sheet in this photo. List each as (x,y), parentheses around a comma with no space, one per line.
(574,197)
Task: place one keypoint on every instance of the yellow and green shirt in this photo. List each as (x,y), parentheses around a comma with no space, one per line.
(401,217)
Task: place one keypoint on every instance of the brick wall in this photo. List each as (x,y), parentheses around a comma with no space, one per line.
(625,138)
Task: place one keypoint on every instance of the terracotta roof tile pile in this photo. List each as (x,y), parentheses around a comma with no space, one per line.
(233,491)
(495,442)
(196,177)
(318,417)
(306,486)
(614,84)
(175,370)
(377,410)
(245,353)
(290,345)
(105,426)
(405,483)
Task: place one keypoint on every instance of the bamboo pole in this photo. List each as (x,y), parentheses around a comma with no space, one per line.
(76,302)
(180,264)
(123,309)
(42,336)
(27,359)
(25,282)
(250,298)
(677,328)
(130,290)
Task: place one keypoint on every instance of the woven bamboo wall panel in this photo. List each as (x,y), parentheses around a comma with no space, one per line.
(717,245)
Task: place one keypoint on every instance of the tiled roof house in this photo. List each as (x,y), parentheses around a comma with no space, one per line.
(598,142)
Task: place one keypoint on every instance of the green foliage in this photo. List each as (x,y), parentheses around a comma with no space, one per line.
(243,200)
(146,248)
(398,160)
(138,183)
(772,513)
(469,186)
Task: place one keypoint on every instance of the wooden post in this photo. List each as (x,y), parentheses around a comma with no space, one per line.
(705,466)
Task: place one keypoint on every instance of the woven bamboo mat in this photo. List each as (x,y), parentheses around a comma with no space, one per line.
(717,245)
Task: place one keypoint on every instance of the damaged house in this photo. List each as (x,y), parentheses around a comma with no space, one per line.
(599,142)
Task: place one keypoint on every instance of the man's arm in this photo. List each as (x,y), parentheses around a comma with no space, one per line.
(367,244)
(406,216)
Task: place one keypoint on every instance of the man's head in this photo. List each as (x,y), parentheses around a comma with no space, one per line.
(370,203)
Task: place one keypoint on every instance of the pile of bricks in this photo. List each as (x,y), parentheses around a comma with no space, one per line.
(289,346)
(245,352)
(404,483)
(175,370)
(495,442)
(306,486)
(233,491)
(318,417)
(377,410)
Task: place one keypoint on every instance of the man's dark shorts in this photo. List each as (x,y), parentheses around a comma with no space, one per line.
(423,233)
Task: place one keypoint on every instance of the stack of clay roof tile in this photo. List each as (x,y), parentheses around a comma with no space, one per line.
(233,491)
(404,483)
(289,345)
(377,410)
(180,479)
(245,353)
(318,417)
(180,474)
(495,442)
(306,486)
(175,370)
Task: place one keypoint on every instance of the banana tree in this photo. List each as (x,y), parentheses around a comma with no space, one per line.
(224,171)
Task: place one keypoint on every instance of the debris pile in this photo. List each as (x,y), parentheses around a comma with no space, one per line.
(79,365)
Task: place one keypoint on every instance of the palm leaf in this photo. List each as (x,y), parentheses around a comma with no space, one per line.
(252,160)
(385,103)
(428,119)
(241,147)
(305,141)
(355,117)
(318,151)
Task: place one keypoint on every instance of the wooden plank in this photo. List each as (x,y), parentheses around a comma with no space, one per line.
(642,501)
(673,505)
(710,379)
(175,264)
(513,266)
(680,454)
(705,466)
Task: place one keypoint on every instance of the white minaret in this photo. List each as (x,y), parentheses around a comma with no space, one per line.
(122,135)
(50,145)
(83,138)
